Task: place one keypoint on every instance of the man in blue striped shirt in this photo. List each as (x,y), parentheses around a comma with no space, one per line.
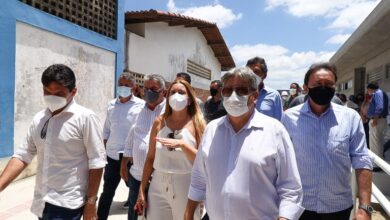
(328,140)
(377,112)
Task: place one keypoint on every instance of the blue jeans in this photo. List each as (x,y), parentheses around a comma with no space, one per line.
(112,178)
(53,212)
(133,195)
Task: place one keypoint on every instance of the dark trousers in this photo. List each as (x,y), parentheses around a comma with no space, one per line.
(341,215)
(133,195)
(53,212)
(366,131)
(111,178)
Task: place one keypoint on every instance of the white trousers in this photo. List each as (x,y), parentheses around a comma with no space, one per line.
(168,195)
(377,136)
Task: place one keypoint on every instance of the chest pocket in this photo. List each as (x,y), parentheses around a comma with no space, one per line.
(339,146)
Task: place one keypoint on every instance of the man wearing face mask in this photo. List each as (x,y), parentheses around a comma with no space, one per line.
(241,153)
(67,140)
(329,140)
(213,108)
(121,115)
(137,143)
(269,101)
(295,91)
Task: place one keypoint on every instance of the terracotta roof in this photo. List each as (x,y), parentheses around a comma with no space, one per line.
(208,29)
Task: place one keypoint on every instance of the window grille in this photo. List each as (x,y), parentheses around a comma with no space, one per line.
(97,15)
(198,70)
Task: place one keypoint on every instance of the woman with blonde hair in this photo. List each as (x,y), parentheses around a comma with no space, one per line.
(174,140)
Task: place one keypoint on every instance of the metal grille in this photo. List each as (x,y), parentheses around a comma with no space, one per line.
(96,15)
(139,78)
(375,75)
(198,70)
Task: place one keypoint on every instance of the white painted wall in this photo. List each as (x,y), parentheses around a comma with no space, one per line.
(165,49)
(381,60)
(36,49)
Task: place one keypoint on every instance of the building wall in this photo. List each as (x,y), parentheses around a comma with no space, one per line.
(379,63)
(30,41)
(165,49)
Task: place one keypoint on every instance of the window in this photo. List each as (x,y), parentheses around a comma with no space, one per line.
(139,78)
(98,15)
(198,70)
(387,71)
(375,75)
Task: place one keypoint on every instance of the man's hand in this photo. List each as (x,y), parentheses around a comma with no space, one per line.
(362,215)
(374,122)
(89,212)
(124,170)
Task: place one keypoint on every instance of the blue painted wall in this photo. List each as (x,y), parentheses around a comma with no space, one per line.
(12,11)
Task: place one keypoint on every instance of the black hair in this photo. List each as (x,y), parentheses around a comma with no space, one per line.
(185,76)
(258,60)
(373,85)
(299,89)
(343,97)
(60,74)
(317,66)
(219,83)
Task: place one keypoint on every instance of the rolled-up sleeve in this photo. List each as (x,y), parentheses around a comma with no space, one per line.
(93,141)
(358,151)
(197,191)
(27,150)
(288,183)
(128,152)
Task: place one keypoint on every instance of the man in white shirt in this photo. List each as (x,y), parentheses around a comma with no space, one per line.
(137,144)
(122,113)
(245,167)
(68,142)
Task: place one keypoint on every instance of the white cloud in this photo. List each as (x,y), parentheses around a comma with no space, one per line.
(216,13)
(338,39)
(284,66)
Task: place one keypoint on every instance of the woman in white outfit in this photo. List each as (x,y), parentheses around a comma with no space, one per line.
(174,140)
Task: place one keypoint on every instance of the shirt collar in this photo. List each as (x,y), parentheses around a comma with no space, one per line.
(130,100)
(159,106)
(307,109)
(256,121)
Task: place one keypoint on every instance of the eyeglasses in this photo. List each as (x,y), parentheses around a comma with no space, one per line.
(153,90)
(171,135)
(241,91)
(44,129)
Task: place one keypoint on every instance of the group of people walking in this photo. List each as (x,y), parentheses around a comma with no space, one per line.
(237,156)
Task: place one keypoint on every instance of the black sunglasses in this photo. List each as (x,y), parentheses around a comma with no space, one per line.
(241,91)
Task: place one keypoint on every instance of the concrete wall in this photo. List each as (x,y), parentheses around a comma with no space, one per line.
(36,49)
(165,49)
(380,62)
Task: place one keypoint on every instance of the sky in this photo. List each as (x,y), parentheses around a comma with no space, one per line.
(289,34)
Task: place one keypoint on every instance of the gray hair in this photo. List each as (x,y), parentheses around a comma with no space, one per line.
(244,73)
(127,76)
(156,77)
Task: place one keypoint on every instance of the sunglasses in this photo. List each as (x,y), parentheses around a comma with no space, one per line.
(241,91)
(171,135)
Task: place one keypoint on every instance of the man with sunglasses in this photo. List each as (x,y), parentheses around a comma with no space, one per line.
(245,167)
(269,101)
(67,139)
(329,141)
(137,142)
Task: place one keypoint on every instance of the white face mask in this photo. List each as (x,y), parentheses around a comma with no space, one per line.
(124,91)
(258,79)
(293,91)
(54,102)
(178,102)
(236,105)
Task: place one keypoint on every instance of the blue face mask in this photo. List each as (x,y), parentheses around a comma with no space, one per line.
(124,91)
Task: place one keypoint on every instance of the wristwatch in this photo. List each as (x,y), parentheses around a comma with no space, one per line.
(92,200)
(367,208)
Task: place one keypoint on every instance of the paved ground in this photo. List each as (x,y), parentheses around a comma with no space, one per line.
(16,200)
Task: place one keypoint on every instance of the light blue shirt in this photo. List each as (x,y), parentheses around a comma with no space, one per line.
(326,147)
(120,117)
(269,103)
(378,105)
(251,174)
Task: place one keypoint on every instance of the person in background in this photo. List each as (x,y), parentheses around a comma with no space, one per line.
(365,119)
(284,95)
(329,140)
(213,108)
(304,96)
(122,113)
(137,144)
(269,101)
(295,91)
(174,140)
(187,77)
(245,167)
(377,112)
(67,140)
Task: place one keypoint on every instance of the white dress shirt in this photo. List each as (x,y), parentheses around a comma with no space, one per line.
(251,174)
(73,145)
(120,118)
(137,143)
